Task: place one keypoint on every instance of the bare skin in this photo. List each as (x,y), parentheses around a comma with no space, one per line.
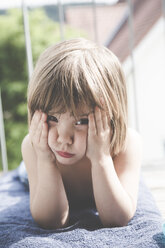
(86,173)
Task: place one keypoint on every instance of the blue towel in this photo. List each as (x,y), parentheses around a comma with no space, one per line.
(18,230)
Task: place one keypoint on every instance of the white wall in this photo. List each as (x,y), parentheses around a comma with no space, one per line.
(149,59)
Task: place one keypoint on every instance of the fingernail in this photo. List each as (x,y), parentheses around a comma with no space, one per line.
(102,100)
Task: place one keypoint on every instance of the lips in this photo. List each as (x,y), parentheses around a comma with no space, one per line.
(65,154)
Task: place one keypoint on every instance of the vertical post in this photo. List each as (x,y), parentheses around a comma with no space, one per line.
(163,10)
(61,19)
(2,138)
(131,47)
(94,7)
(27,39)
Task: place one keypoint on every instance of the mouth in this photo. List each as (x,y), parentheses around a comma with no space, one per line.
(65,154)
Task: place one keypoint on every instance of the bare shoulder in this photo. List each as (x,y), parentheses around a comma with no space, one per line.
(133,140)
(26,146)
(28,152)
(25,142)
(131,156)
(133,134)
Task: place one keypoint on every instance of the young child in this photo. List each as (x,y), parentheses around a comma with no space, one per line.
(79,150)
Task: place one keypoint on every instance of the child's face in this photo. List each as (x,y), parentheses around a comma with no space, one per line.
(67,136)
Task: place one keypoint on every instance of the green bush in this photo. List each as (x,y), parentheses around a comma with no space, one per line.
(13,70)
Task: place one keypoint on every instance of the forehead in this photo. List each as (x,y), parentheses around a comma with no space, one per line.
(80,111)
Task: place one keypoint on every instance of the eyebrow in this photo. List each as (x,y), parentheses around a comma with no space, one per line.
(53,113)
(86,114)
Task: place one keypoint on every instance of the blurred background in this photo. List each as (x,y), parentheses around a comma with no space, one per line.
(133,29)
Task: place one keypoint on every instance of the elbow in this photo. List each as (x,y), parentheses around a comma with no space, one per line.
(50,225)
(120,221)
(125,216)
(124,221)
(53,222)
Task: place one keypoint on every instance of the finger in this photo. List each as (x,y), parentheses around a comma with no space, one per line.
(38,128)
(44,127)
(98,119)
(102,101)
(44,117)
(104,119)
(44,134)
(91,126)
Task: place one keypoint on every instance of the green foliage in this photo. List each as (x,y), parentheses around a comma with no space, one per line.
(13,70)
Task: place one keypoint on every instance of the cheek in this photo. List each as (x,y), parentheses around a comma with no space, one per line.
(80,140)
(52,136)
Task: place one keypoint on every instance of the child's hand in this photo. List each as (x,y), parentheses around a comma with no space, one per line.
(98,144)
(39,137)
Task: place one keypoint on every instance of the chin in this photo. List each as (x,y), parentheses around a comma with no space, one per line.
(68,161)
(64,162)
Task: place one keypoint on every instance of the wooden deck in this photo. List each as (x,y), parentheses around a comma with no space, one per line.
(154,176)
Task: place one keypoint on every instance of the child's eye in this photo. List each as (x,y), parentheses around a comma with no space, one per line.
(82,121)
(52,118)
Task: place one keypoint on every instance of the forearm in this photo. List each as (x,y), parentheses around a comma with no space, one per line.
(49,206)
(113,203)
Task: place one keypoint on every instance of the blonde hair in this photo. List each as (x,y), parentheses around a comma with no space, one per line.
(79,72)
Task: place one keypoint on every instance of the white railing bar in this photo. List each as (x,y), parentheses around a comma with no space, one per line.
(163,11)
(95,24)
(61,19)
(131,47)
(27,38)
(2,138)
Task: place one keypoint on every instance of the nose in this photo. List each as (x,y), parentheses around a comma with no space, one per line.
(65,136)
